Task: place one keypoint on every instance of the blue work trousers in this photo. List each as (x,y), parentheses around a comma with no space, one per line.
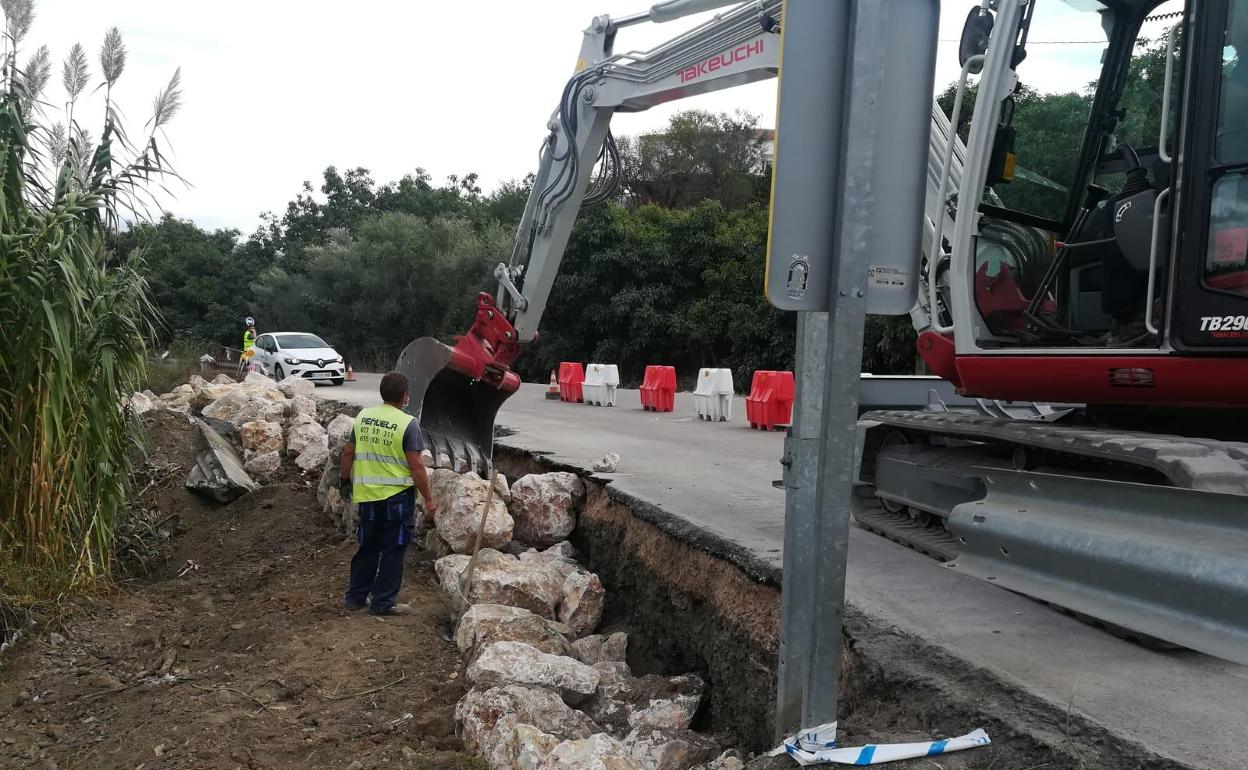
(385,529)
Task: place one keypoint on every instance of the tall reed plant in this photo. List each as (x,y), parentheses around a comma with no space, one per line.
(74,321)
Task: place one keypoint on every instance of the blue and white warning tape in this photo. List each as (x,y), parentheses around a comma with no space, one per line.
(817,745)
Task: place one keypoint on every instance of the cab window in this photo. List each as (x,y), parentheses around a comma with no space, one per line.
(1226,258)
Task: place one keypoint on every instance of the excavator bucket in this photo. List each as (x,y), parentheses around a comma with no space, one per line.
(456,391)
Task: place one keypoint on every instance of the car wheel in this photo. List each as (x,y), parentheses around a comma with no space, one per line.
(338,380)
(278,373)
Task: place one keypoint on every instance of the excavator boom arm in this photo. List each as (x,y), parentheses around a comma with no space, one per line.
(457,390)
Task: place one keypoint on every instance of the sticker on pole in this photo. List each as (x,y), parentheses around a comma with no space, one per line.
(888,276)
(799,276)
(817,746)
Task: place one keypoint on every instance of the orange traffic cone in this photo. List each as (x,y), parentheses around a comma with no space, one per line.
(552,392)
(350,374)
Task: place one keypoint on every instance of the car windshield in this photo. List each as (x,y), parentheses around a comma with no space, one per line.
(299,341)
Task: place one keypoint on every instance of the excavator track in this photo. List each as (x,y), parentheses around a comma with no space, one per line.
(1138,534)
(929,539)
(1205,465)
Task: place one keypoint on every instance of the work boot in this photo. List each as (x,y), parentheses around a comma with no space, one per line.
(398,609)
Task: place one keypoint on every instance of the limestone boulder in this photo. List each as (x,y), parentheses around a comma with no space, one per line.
(223,379)
(262,465)
(729,760)
(487,718)
(528,747)
(426,459)
(501,578)
(607,463)
(263,384)
(301,404)
(209,393)
(296,386)
(260,436)
(341,511)
(460,499)
(601,648)
(483,624)
(339,431)
(503,663)
(435,545)
(237,406)
(581,602)
(544,506)
(612,673)
(559,558)
(141,403)
(313,457)
(303,434)
(502,490)
(196,382)
(179,397)
(597,752)
(662,748)
(651,700)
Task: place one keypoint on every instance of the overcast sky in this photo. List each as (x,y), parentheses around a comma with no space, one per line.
(276,90)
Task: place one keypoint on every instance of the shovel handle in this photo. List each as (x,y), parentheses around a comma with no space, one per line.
(465,582)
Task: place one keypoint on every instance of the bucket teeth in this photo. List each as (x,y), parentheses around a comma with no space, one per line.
(455,411)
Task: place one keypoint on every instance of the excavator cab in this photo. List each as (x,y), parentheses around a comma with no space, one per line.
(1105,227)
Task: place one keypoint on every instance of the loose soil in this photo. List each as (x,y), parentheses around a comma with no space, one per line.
(250,661)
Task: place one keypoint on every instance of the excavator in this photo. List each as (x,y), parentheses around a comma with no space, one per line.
(1116,315)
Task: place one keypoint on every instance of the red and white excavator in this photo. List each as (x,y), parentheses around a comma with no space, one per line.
(1129,298)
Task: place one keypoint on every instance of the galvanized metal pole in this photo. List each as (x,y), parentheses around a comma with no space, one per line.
(887,93)
(801,474)
(801,241)
(883,141)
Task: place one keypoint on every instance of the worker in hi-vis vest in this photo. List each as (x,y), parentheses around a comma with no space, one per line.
(380,466)
(249,334)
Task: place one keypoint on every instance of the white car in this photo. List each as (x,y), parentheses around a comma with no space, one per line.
(299,354)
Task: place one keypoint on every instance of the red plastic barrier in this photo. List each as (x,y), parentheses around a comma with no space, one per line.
(571,377)
(658,390)
(770,404)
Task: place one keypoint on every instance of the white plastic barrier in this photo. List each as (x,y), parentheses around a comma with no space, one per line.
(713,395)
(601,381)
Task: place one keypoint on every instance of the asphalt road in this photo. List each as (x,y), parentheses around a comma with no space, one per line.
(718,476)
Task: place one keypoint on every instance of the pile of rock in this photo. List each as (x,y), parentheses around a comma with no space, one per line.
(548,693)
(266,421)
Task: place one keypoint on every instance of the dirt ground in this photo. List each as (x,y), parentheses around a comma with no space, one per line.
(250,661)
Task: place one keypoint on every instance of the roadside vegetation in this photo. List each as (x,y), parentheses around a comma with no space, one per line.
(77,318)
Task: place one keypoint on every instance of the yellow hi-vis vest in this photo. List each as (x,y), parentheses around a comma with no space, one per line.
(380,467)
(249,340)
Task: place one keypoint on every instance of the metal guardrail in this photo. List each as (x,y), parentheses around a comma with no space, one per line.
(1163,561)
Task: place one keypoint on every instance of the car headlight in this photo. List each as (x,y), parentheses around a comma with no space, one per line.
(291,360)
(338,360)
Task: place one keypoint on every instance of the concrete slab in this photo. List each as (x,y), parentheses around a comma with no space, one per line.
(718,477)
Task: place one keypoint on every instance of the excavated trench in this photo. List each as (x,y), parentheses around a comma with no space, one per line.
(692,602)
